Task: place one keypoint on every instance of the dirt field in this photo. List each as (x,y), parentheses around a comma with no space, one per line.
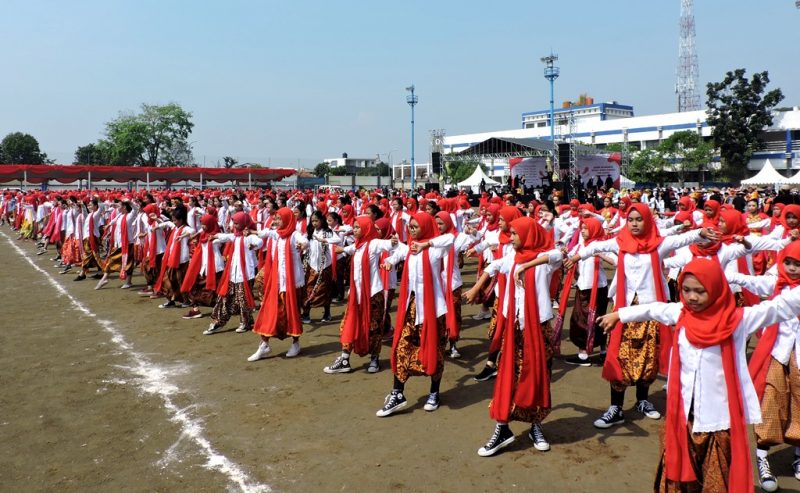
(103,391)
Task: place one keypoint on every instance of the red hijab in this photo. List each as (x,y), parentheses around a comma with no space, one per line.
(687,203)
(792,209)
(595,229)
(348,214)
(411,206)
(648,241)
(712,221)
(713,326)
(774,221)
(508,213)
(494,210)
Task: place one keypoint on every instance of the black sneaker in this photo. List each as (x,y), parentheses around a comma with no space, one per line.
(648,409)
(501,438)
(432,404)
(341,365)
(536,434)
(325,319)
(768,480)
(393,403)
(610,418)
(485,374)
(577,361)
(796,467)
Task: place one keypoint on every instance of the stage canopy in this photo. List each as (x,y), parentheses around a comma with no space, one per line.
(767,176)
(38,173)
(507,147)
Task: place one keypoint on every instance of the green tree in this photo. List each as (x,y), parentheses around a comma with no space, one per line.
(20,148)
(92,154)
(739,110)
(648,165)
(687,151)
(321,170)
(229,162)
(338,171)
(158,136)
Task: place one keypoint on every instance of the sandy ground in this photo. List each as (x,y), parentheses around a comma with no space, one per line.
(124,396)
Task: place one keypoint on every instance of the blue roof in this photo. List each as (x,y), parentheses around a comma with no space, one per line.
(603,107)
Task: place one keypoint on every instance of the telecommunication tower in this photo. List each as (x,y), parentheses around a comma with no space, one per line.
(688,66)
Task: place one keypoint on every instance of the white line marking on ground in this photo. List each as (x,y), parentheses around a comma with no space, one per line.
(153,379)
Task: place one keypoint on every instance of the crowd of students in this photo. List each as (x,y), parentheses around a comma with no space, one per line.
(689,290)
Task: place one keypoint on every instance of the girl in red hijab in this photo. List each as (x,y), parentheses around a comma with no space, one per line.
(523,336)
(284,279)
(235,286)
(155,242)
(710,396)
(361,329)
(495,246)
(774,367)
(420,333)
(175,261)
(454,243)
(591,296)
(205,268)
(636,351)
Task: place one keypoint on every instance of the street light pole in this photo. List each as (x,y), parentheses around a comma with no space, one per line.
(412,101)
(551,73)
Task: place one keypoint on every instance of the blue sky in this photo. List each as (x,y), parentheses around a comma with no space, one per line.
(298,81)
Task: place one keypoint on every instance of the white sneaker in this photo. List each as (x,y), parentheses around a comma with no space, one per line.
(454,353)
(294,350)
(242,328)
(212,328)
(261,353)
(555,305)
(482,315)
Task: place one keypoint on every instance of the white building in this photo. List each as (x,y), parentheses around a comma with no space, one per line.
(596,125)
(351,162)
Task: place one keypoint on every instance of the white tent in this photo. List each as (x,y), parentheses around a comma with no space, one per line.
(474,181)
(626,182)
(795,180)
(767,176)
